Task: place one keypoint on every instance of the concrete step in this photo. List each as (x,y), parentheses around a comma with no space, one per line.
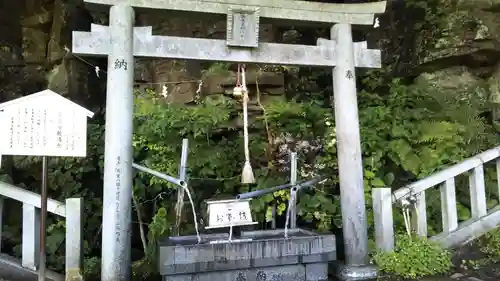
(11,270)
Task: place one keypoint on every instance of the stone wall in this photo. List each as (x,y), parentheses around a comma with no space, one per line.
(39,35)
(464,52)
(464,47)
(170,71)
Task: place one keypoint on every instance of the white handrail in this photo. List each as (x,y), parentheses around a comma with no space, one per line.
(481,219)
(444,175)
(31,198)
(71,210)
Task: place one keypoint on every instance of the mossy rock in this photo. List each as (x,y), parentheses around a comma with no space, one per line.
(462,34)
(458,80)
(490,5)
(461,30)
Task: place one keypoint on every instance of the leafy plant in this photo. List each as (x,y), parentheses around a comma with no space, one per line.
(414,257)
(409,130)
(490,245)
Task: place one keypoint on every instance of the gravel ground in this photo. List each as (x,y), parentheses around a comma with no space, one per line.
(470,261)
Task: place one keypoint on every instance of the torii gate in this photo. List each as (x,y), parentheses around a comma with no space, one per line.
(121,41)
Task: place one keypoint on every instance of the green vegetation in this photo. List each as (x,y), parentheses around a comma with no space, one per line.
(414,257)
(483,253)
(490,246)
(409,130)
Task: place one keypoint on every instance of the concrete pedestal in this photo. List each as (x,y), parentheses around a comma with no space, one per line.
(304,256)
(354,273)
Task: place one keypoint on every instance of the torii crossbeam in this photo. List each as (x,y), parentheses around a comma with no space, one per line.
(147,45)
(121,41)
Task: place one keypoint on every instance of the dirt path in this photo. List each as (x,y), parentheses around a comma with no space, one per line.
(471,262)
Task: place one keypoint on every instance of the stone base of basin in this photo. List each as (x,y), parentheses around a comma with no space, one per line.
(309,272)
(269,256)
(355,273)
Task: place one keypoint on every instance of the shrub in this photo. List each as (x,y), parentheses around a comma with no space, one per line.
(414,257)
(490,245)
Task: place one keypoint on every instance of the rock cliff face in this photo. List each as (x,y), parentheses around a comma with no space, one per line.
(35,34)
(37,37)
(463,53)
(462,48)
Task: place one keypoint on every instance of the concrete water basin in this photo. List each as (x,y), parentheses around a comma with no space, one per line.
(303,256)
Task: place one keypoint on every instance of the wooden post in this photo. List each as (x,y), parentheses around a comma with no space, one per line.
(117,198)
(477,193)
(497,162)
(180,192)
(352,196)
(293,180)
(1,222)
(74,238)
(419,215)
(30,237)
(449,206)
(383,219)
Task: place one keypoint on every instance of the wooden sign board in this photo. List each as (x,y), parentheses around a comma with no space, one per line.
(43,124)
(226,213)
(243,28)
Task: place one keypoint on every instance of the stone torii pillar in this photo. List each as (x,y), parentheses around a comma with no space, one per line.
(120,41)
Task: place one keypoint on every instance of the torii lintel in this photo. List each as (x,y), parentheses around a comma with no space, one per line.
(358,13)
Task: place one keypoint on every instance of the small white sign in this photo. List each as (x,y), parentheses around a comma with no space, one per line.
(226,213)
(43,124)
